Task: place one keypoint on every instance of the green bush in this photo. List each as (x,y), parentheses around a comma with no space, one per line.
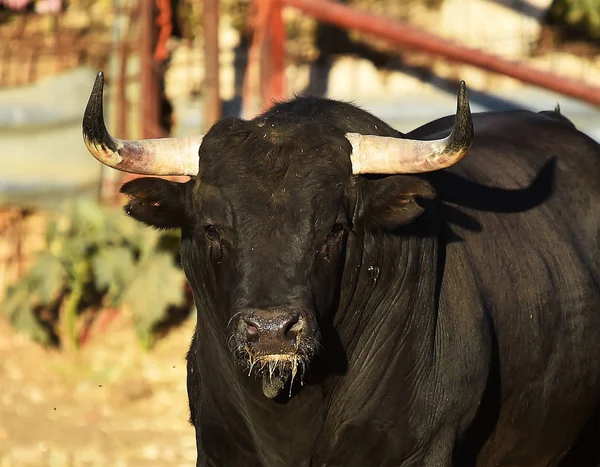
(96,258)
(577,18)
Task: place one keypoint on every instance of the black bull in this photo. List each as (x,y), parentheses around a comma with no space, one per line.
(447,317)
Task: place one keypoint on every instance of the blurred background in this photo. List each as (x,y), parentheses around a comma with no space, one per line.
(95,314)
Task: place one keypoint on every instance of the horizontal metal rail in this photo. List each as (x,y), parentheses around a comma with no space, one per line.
(411,37)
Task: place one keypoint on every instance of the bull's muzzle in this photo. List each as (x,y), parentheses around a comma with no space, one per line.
(273,332)
(277,343)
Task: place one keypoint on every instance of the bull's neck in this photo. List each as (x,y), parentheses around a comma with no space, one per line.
(394,288)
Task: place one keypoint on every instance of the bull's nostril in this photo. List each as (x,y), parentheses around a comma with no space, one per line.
(251,329)
(272,326)
(293,327)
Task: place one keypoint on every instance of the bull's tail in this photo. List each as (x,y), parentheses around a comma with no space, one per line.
(557,116)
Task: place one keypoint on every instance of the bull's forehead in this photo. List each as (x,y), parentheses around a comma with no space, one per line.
(274,202)
(283,183)
(270,153)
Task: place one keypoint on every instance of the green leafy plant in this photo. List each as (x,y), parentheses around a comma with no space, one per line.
(578,18)
(97,258)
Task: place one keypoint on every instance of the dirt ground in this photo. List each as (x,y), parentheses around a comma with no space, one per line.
(109,404)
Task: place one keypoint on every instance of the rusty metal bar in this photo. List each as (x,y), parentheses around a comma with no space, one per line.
(273,71)
(409,36)
(212,98)
(121,85)
(265,64)
(149,82)
(252,88)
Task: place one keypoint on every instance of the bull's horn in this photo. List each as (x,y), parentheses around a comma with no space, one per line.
(162,156)
(384,155)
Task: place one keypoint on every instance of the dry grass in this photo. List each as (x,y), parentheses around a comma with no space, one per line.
(110,404)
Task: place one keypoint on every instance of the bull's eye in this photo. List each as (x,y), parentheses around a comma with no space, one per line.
(214,244)
(333,238)
(211,232)
(337,232)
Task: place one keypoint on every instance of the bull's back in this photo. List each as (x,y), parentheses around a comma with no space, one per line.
(531,187)
(528,194)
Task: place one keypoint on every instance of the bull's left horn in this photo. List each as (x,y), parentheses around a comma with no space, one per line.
(384,155)
(162,156)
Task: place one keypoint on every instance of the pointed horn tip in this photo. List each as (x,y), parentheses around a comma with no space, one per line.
(96,95)
(462,93)
(97,139)
(98,84)
(463,130)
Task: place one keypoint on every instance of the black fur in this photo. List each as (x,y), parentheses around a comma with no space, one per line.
(454,316)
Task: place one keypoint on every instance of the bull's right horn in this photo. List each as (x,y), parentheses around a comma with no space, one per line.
(161,156)
(384,155)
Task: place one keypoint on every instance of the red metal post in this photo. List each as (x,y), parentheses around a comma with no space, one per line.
(121,86)
(409,36)
(212,99)
(274,52)
(254,82)
(265,64)
(149,78)
(164,23)
(266,54)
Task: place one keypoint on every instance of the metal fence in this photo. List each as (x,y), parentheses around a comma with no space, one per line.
(464,39)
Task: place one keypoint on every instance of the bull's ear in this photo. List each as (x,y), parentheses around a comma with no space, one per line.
(397,200)
(156,202)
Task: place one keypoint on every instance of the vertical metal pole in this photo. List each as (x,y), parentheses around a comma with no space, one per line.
(212,98)
(275,52)
(149,77)
(253,92)
(122,127)
(121,86)
(265,63)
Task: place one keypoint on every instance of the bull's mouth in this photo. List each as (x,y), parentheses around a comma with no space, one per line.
(275,349)
(277,371)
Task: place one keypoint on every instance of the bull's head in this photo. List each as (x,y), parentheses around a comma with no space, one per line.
(268,214)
